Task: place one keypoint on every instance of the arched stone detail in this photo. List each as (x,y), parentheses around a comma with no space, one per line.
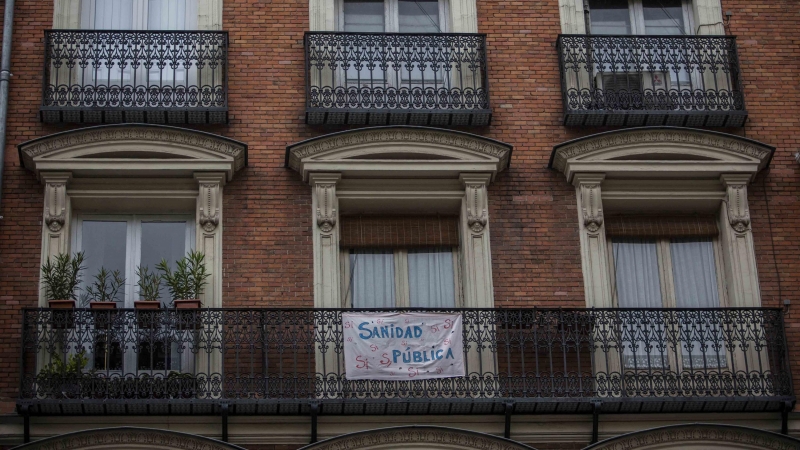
(387,149)
(664,146)
(418,437)
(697,437)
(128,438)
(130,148)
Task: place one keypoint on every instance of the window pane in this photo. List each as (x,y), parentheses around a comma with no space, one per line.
(113,15)
(663,17)
(104,243)
(694,272)
(163,240)
(364,16)
(419,16)
(609,17)
(430,278)
(372,278)
(172,15)
(638,286)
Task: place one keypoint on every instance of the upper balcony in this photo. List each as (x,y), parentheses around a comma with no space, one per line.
(437,79)
(691,81)
(163,77)
(290,361)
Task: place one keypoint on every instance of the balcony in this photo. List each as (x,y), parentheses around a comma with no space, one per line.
(396,79)
(162,77)
(286,361)
(691,81)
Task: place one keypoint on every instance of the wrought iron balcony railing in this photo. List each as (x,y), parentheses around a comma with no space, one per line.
(100,76)
(283,361)
(688,81)
(396,79)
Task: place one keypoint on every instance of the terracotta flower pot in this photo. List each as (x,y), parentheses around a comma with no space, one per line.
(188,314)
(62,319)
(147,314)
(103,318)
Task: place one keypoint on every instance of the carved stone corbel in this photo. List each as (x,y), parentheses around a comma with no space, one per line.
(591,206)
(209,214)
(55,204)
(326,214)
(476,201)
(736,203)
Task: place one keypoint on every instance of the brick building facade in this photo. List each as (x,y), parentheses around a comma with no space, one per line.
(539,243)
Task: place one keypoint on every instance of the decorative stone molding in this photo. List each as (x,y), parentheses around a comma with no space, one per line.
(375,143)
(128,437)
(591,207)
(326,211)
(55,205)
(661,140)
(476,202)
(417,436)
(209,208)
(706,436)
(738,209)
(188,148)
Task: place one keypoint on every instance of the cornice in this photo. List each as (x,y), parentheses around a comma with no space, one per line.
(113,438)
(413,135)
(152,134)
(716,436)
(658,135)
(404,437)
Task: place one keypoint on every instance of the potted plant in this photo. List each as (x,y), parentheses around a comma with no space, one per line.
(149,283)
(61,276)
(63,378)
(102,294)
(186,284)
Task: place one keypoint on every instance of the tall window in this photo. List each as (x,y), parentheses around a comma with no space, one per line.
(392,16)
(123,243)
(668,273)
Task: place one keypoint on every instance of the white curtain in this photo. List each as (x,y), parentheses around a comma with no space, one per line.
(431,278)
(172,15)
(695,277)
(372,278)
(638,286)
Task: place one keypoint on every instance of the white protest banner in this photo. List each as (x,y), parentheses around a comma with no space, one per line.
(402,346)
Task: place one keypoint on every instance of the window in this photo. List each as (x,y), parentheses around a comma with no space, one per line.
(123,243)
(392,16)
(386,278)
(668,273)
(642,17)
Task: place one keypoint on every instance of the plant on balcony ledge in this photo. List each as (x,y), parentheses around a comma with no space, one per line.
(64,378)
(186,284)
(102,294)
(149,293)
(60,278)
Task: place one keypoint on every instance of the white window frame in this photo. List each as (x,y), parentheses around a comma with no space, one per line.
(133,245)
(401,278)
(391,20)
(636,11)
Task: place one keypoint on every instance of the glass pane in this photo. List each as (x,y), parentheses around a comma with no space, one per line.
(172,15)
(364,16)
(104,243)
(609,17)
(113,15)
(431,279)
(694,271)
(663,17)
(638,286)
(163,240)
(371,280)
(419,16)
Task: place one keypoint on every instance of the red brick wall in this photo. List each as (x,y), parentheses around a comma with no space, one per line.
(535,248)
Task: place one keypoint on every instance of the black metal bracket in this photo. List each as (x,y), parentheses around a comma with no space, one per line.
(596,407)
(26,424)
(314,413)
(224,413)
(787,408)
(509,412)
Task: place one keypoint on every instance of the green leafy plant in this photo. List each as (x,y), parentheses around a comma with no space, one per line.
(106,286)
(73,366)
(62,275)
(149,284)
(189,279)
